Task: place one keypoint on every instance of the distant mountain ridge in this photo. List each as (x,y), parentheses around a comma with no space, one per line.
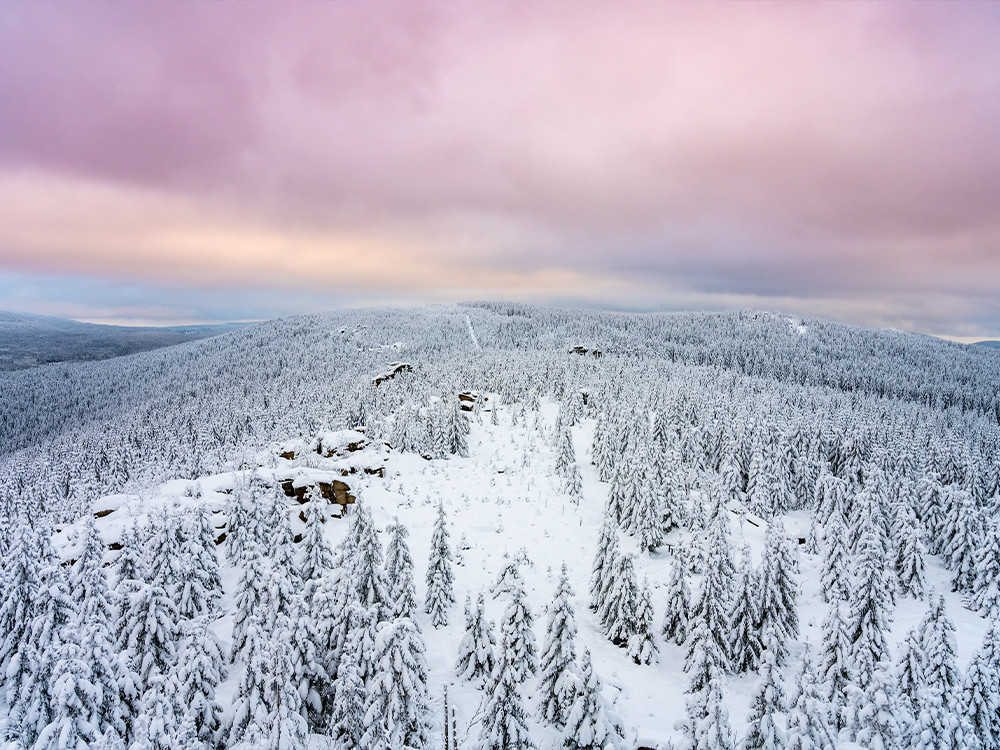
(28,340)
(988,344)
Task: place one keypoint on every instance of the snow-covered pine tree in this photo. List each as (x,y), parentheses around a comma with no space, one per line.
(247,702)
(516,631)
(147,635)
(641,643)
(558,660)
(408,432)
(746,645)
(910,555)
(713,605)
(86,577)
(937,639)
(763,732)
(876,718)
(979,699)
(835,578)
(476,657)
(165,547)
(456,427)
(938,726)
(965,535)
(986,585)
(621,603)
(130,569)
(565,454)
(317,555)
(279,715)
(308,671)
(20,589)
(440,578)
(397,698)
(675,618)
(369,575)
(202,668)
(649,510)
(251,595)
(833,669)
(200,582)
(605,561)
(588,726)
(347,706)
(72,699)
(399,572)
(808,728)
(868,619)
(712,731)
(910,669)
(778,588)
(504,722)
(704,658)
(156,723)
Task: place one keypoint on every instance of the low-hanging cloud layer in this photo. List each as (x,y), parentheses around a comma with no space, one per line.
(211,160)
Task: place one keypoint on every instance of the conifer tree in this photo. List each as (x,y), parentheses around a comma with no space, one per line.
(834,664)
(588,726)
(504,721)
(399,573)
(130,568)
(868,619)
(979,699)
(910,556)
(248,701)
(965,535)
(807,724)
(746,644)
(317,553)
(713,731)
(621,603)
(605,561)
(986,585)
(369,575)
(156,723)
(456,428)
(200,583)
(279,715)
(704,658)
(910,669)
(73,700)
(347,712)
(517,633)
(876,716)
(440,578)
(476,651)
(675,619)
(763,732)
(147,635)
(202,668)
(835,578)
(778,587)
(558,659)
(641,644)
(21,586)
(252,593)
(714,603)
(166,538)
(940,672)
(397,692)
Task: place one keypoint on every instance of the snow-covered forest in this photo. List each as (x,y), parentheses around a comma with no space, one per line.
(500,526)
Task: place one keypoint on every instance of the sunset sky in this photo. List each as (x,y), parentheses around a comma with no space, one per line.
(175,162)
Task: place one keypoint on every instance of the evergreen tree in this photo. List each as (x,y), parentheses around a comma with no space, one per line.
(986,586)
(876,715)
(476,651)
(558,660)
(778,587)
(369,575)
(73,700)
(621,603)
(518,636)
(200,583)
(763,732)
(202,668)
(156,723)
(249,700)
(165,547)
(21,585)
(456,428)
(714,603)
(147,634)
(835,579)
(910,670)
(587,724)
(504,720)
(704,658)
(910,556)
(834,667)
(317,553)
(868,619)
(641,644)
(251,595)
(440,578)
(713,731)
(399,573)
(279,716)
(605,561)
(347,712)
(397,693)
(130,568)
(675,619)
(940,672)
(86,579)
(965,538)
(938,726)
(807,725)
(979,702)
(746,644)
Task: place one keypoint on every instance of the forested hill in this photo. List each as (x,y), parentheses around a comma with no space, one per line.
(32,340)
(68,431)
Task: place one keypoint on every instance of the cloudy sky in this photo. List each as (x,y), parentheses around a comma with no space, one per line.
(201,161)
